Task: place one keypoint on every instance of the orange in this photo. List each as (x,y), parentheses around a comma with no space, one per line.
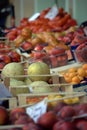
(84,66)
(72,70)
(76,79)
(81,72)
(67,79)
(72,74)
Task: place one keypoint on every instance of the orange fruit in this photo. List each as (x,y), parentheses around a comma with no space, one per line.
(76,79)
(72,70)
(84,66)
(81,72)
(72,74)
(67,79)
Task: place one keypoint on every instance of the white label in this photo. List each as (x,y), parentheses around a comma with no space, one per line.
(35,16)
(37,110)
(52,13)
(85,31)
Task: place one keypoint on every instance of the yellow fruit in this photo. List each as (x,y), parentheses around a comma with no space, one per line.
(72,74)
(37,71)
(68,101)
(76,79)
(84,66)
(81,72)
(75,100)
(72,70)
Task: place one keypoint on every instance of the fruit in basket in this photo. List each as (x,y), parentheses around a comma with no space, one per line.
(5,58)
(64,126)
(82,125)
(3,116)
(15,113)
(31,126)
(47,120)
(40,87)
(15,57)
(40,69)
(23,119)
(12,70)
(14,82)
(26,33)
(66,112)
(26,46)
(27,81)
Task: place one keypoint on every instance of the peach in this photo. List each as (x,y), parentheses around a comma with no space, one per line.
(47,120)
(66,112)
(3,115)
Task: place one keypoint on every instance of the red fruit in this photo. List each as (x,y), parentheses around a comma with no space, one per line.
(59,106)
(31,126)
(64,126)
(81,108)
(53,60)
(16,113)
(38,54)
(3,116)
(2,64)
(66,112)
(5,58)
(47,120)
(38,47)
(27,46)
(15,57)
(82,125)
(7,48)
(23,119)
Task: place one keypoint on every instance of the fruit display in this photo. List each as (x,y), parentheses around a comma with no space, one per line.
(38,68)
(76,75)
(13,69)
(62,115)
(53,98)
(8,53)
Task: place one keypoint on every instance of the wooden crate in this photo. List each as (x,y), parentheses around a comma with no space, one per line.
(25,100)
(56,86)
(12,102)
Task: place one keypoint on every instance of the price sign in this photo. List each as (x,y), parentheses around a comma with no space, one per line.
(52,13)
(37,110)
(35,16)
(85,30)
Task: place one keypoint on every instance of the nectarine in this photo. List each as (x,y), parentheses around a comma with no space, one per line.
(3,116)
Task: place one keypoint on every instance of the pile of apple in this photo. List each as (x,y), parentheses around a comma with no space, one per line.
(59,118)
(8,55)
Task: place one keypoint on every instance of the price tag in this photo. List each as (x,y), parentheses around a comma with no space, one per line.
(35,16)
(52,13)
(85,30)
(37,110)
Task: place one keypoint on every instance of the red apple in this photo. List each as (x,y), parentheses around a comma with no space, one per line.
(3,116)
(15,57)
(54,62)
(64,126)
(5,58)
(47,120)
(38,54)
(31,126)
(66,112)
(2,64)
(27,46)
(82,125)
(38,47)
(16,113)
(59,106)
(23,119)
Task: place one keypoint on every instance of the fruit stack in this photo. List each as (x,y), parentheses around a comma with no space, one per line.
(63,116)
